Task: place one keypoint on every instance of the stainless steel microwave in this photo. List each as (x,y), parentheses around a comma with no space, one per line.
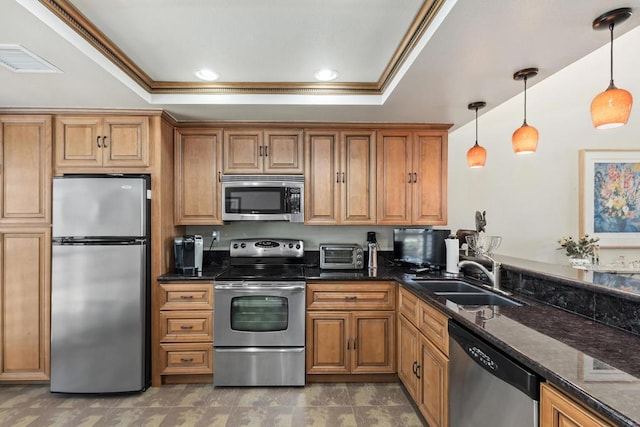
(341,256)
(263,198)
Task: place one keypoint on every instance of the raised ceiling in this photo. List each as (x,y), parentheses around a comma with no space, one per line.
(399,61)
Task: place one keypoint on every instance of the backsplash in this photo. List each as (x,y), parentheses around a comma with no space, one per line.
(312,235)
(585,300)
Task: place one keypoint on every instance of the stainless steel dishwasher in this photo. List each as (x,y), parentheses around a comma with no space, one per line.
(486,387)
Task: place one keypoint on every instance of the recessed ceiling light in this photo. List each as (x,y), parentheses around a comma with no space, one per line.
(326,75)
(206,75)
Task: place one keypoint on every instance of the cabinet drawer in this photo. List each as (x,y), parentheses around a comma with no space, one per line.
(351,296)
(192,358)
(434,325)
(186,296)
(408,305)
(183,326)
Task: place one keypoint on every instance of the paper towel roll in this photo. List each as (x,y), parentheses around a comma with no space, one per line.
(453,255)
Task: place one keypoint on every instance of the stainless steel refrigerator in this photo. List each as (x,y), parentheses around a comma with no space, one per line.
(100,287)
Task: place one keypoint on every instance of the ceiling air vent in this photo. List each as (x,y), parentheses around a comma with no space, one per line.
(20,60)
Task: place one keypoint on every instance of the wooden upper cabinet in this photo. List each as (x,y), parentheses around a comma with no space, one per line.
(112,141)
(257,151)
(25,169)
(412,178)
(322,177)
(197,160)
(340,178)
(430,183)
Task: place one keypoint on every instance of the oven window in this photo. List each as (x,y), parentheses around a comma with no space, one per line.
(267,200)
(259,313)
(338,256)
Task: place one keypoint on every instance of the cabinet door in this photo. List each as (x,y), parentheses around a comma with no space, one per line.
(25,169)
(78,141)
(283,151)
(373,342)
(322,175)
(25,295)
(125,141)
(557,410)
(197,158)
(243,151)
(395,177)
(358,184)
(327,335)
(434,373)
(430,187)
(408,339)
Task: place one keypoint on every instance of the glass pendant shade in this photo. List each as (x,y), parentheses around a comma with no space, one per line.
(611,108)
(476,156)
(525,139)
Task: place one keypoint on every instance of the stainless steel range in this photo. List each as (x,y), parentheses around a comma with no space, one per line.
(259,315)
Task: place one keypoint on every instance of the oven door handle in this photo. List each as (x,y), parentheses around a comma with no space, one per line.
(260,288)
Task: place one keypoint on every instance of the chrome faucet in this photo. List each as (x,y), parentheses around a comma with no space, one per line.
(493,275)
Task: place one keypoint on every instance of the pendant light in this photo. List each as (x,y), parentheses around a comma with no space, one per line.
(611,108)
(477,155)
(525,138)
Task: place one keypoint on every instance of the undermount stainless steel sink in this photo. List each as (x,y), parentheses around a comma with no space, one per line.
(454,286)
(464,293)
(481,299)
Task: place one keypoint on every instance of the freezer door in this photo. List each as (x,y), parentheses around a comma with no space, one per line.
(98,318)
(101,206)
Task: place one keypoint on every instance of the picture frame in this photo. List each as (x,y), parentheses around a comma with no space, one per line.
(610,197)
(593,370)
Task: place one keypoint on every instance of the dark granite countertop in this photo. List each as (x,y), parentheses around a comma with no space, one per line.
(597,364)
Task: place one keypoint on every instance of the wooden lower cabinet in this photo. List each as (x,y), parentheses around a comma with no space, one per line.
(423,363)
(351,328)
(350,342)
(186,329)
(558,410)
(25,301)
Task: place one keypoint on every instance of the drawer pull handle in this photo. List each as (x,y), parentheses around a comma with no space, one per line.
(348,343)
(186,296)
(417,371)
(186,327)
(413,368)
(183,360)
(351,298)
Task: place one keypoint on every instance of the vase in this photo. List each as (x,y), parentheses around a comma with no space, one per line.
(579,262)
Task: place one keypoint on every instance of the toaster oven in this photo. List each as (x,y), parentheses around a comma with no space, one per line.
(341,256)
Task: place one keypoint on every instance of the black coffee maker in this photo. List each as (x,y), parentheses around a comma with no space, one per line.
(187,252)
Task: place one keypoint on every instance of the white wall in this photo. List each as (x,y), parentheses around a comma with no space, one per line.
(532,200)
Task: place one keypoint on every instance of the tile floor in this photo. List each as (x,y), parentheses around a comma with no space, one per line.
(332,405)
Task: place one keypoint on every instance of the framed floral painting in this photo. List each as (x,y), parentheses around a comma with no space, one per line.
(610,196)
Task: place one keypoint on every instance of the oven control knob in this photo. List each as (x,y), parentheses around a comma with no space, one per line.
(290,245)
(298,246)
(243,245)
(235,246)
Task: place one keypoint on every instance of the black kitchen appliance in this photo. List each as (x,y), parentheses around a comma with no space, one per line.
(420,246)
(187,251)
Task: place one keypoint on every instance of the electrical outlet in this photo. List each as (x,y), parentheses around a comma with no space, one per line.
(215,236)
